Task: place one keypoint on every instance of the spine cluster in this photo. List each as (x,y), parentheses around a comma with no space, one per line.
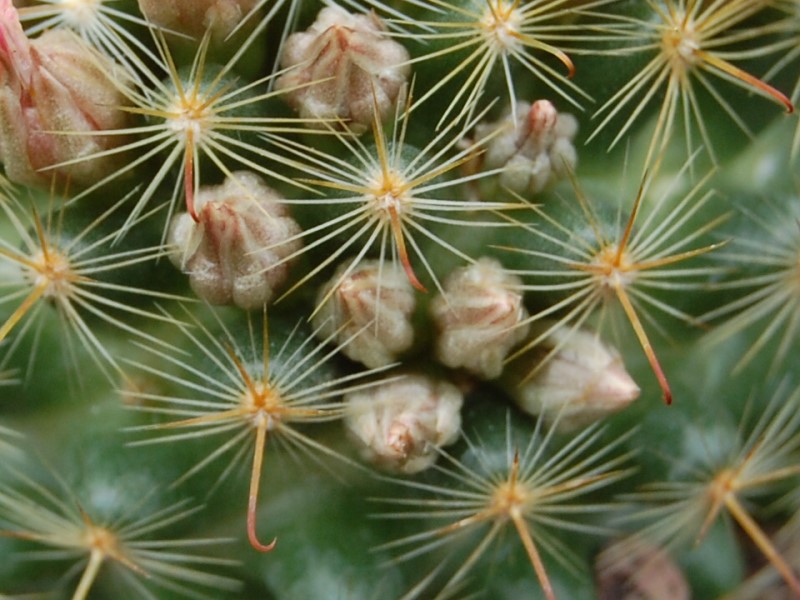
(481,298)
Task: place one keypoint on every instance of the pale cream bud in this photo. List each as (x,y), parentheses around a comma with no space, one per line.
(535,150)
(479,318)
(571,377)
(629,570)
(361,67)
(237,252)
(400,425)
(373,305)
(52,84)
(195,17)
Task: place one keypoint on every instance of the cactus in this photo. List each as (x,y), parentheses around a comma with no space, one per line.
(400,299)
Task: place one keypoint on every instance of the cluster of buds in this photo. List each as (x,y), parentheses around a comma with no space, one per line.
(533,146)
(55,92)
(571,378)
(343,67)
(400,425)
(195,18)
(479,318)
(240,249)
(369,310)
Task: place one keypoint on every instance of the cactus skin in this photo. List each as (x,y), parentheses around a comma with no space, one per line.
(118,389)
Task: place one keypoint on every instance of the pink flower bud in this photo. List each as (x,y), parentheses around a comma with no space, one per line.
(478,319)
(195,17)
(354,57)
(52,84)
(399,425)
(535,149)
(635,570)
(372,307)
(238,251)
(541,119)
(572,378)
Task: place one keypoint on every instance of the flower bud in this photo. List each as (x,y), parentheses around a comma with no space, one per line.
(639,571)
(571,377)
(361,67)
(535,149)
(237,253)
(478,318)
(372,307)
(400,425)
(53,84)
(195,17)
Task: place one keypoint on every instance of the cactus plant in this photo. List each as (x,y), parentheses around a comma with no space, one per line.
(399,299)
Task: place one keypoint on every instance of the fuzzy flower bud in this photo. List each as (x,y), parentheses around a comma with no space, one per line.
(639,571)
(195,17)
(572,377)
(478,319)
(52,84)
(399,425)
(534,150)
(354,57)
(376,302)
(231,253)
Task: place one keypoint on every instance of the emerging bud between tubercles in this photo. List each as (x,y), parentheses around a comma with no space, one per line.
(373,305)
(400,425)
(356,66)
(238,251)
(534,150)
(195,17)
(479,318)
(571,377)
(635,570)
(54,92)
